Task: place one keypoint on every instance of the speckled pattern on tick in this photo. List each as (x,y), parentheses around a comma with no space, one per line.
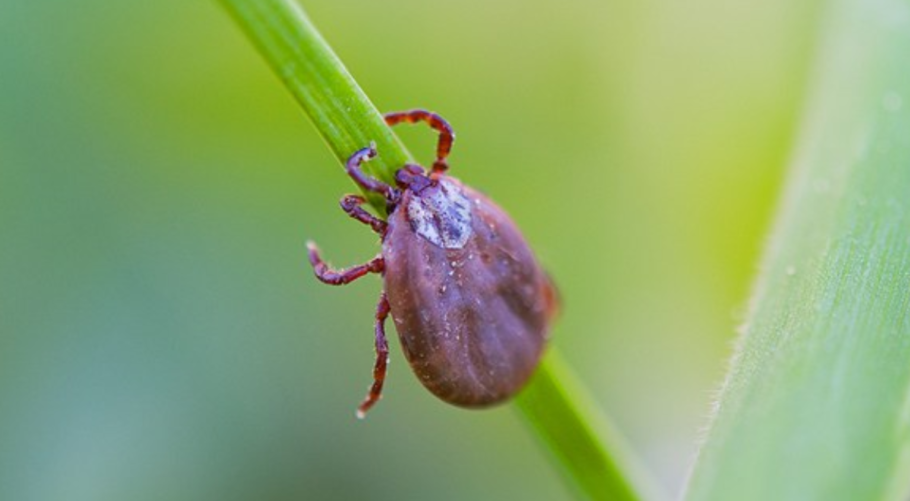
(471,304)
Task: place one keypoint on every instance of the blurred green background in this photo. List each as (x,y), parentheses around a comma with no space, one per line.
(162,336)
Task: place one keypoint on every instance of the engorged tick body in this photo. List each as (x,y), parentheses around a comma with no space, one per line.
(470,302)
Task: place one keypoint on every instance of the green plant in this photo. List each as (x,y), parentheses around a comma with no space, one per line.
(816,402)
(591,454)
(815,405)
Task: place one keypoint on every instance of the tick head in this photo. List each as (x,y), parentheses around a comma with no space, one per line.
(412,177)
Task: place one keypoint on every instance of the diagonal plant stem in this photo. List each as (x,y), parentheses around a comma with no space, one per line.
(817,401)
(585,445)
(339,109)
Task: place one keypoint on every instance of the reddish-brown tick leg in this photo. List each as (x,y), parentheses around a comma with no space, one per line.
(351,205)
(446,134)
(365,181)
(382,358)
(341,277)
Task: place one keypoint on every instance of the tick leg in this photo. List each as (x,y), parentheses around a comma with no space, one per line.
(367,182)
(351,205)
(341,277)
(382,358)
(446,134)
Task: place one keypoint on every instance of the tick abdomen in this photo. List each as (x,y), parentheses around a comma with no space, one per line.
(472,318)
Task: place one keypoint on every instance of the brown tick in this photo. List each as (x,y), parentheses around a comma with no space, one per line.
(470,302)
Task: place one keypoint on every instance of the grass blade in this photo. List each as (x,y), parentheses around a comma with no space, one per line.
(585,445)
(308,67)
(589,452)
(817,401)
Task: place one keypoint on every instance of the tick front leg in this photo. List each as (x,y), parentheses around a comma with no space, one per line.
(446,134)
(329,276)
(382,358)
(367,182)
(351,204)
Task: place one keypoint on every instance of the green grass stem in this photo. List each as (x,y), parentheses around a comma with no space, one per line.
(817,402)
(583,443)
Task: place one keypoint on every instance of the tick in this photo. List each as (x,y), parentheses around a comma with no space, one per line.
(470,302)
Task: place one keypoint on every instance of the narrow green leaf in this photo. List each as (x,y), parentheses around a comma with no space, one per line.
(339,109)
(586,448)
(817,402)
